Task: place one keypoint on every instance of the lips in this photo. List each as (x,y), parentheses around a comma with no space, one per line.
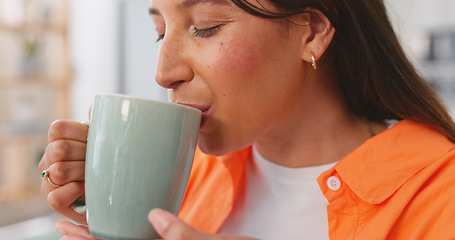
(203,108)
(200,107)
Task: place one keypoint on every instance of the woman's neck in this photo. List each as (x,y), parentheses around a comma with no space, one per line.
(322,132)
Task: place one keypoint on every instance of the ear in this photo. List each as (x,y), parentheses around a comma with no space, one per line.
(318,36)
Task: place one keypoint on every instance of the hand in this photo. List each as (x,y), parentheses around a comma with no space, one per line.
(172,228)
(166,224)
(71,231)
(64,160)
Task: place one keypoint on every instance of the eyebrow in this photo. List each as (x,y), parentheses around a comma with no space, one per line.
(188,4)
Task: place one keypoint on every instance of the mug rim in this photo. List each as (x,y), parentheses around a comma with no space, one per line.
(125,96)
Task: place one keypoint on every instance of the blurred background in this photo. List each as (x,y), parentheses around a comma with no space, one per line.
(55,54)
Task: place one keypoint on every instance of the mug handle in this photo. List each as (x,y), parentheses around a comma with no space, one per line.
(79,204)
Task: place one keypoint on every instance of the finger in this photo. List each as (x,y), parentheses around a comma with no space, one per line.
(73,237)
(62,173)
(42,165)
(168,226)
(65,129)
(73,231)
(61,198)
(65,172)
(46,186)
(60,150)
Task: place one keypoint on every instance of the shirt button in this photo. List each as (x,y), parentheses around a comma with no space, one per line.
(334,183)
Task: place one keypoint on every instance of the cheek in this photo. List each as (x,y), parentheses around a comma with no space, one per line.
(232,71)
(236,60)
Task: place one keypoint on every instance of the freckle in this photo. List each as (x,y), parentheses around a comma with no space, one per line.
(221,43)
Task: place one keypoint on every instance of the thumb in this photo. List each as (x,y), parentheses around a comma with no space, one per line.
(169,226)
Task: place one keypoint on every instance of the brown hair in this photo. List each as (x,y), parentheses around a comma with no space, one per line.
(377,78)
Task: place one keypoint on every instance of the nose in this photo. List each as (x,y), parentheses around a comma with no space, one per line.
(173,67)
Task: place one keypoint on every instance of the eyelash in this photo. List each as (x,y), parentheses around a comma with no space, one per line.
(160,38)
(204,33)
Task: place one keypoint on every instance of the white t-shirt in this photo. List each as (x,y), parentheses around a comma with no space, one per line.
(279,203)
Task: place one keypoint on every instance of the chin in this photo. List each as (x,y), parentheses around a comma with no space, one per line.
(215,148)
(211,150)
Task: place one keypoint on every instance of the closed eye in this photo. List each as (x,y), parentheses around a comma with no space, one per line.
(208,32)
(204,33)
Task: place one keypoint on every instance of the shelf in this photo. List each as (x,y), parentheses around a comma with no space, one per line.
(40,27)
(35,76)
(33,81)
(24,137)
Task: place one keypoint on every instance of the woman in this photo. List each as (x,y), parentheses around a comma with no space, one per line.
(295,90)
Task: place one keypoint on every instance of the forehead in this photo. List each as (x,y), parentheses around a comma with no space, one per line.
(181,5)
(190,3)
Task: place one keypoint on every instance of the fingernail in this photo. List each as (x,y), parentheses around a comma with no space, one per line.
(160,219)
(60,229)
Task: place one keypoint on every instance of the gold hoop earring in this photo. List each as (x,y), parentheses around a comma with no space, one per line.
(314,63)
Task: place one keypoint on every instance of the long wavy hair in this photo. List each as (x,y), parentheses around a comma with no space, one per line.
(378,80)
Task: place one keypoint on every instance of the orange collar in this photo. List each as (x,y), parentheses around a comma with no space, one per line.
(212,189)
(381,165)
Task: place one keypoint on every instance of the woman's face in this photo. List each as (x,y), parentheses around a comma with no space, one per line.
(244,72)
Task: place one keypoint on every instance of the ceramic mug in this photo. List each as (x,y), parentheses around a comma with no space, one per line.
(139,157)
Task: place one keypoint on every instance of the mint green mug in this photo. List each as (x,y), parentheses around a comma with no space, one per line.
(139,157)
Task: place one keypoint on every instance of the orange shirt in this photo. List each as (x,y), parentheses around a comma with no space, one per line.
(399,184)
